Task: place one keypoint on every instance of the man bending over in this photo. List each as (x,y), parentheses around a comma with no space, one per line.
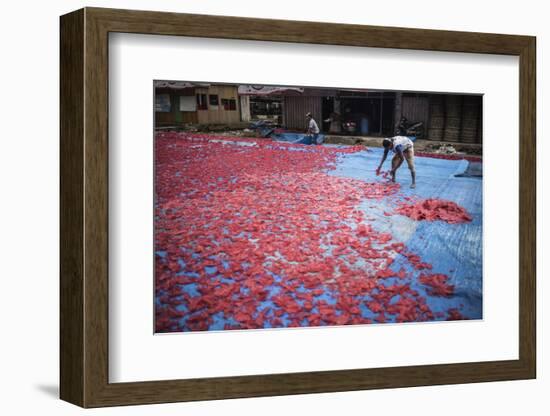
(403,148)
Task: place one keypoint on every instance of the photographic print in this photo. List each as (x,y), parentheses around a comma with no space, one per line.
(297,206)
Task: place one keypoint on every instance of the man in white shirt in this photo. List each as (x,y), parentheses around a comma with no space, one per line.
(312,128)
(403,147)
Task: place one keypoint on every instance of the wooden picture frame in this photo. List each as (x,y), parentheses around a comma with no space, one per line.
(84,207)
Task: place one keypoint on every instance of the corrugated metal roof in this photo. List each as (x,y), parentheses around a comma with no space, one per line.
(179,85)
(266,90)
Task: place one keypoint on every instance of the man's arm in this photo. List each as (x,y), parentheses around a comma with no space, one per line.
(384,156)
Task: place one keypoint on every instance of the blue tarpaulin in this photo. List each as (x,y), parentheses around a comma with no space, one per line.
(452,249)
(296,138)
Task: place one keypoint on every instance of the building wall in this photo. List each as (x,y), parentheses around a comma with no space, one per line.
(296,108)
(245,107)
(455,118)
(218,115)
(446,117)
(211,115)
(415,108)
(471,127)
(175,116)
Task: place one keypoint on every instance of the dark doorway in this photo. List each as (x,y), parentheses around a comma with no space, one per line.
(388,115)
(373,114)
(326,110)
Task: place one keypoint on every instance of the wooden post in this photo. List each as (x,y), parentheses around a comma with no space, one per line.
(398,110)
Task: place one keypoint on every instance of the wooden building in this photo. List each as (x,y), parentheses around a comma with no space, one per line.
(371,111)
(179,103)
(445,117)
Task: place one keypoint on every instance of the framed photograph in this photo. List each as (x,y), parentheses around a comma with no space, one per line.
(254,207)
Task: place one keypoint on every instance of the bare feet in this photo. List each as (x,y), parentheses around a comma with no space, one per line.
(392,176)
